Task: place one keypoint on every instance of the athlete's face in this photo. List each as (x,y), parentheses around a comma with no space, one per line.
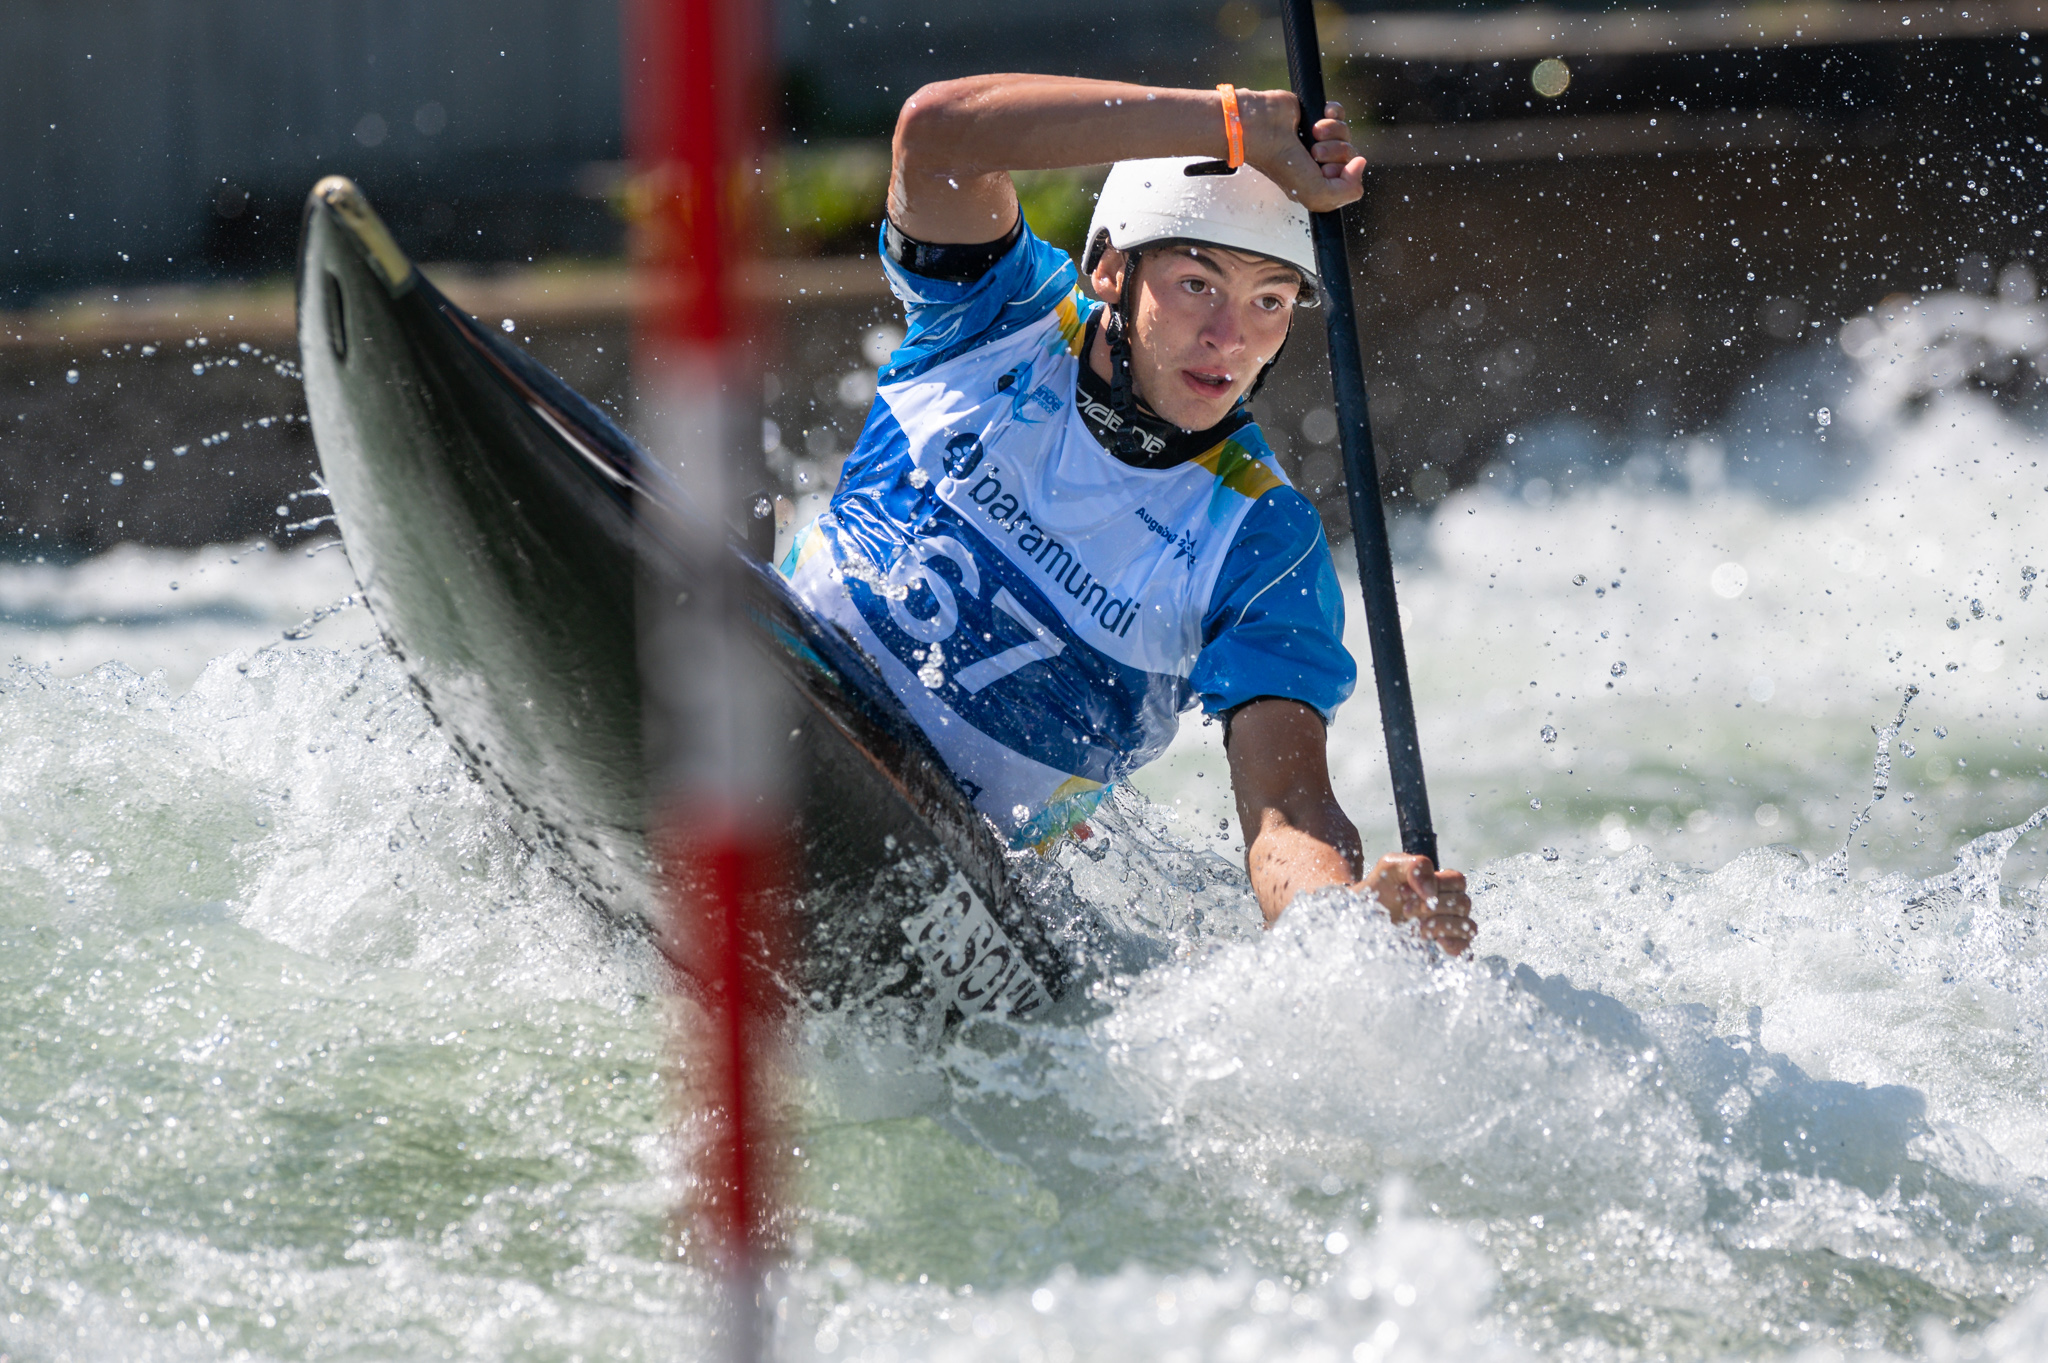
(1206,322)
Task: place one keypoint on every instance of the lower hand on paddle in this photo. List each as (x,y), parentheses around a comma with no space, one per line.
(1297,837)
(1413,891)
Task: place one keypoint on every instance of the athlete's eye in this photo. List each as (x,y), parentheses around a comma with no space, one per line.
(1195,284)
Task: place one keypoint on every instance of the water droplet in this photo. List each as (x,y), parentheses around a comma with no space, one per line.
(117,478)
(1954,623)
(1824,417)
(1729,580)
(1618,670)
(1940,732)
(71,376)
(1905,749)
(1578,579)
(932,674)
(1536,803)
(199,369)
(179,450)
(507,325)
(1550,78)
(1511,437)
(1547,733)
(1976,609)
(919,478)
(1020,812)
(762,508)
(284,511)
(148,464)
(1550,854)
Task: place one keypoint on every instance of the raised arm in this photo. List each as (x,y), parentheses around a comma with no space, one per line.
(1297,838)
(956,142)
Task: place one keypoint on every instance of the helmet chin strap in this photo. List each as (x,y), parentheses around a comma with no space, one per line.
(1123,387)
(1267,367)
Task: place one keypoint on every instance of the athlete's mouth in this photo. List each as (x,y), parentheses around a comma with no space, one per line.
(1208,384)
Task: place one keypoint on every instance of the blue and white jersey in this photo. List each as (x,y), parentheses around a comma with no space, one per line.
(1044,609)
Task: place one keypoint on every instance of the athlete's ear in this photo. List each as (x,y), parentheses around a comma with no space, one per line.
(1107,280)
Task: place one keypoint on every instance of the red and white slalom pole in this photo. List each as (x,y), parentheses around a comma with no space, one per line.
(697,86)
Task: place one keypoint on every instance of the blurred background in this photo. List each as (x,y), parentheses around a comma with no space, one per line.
(1590,235)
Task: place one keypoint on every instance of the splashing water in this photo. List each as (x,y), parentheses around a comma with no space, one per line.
(312,1056)
(1880,782)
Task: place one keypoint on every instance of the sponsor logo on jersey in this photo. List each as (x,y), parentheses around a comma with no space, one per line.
(963,453)
(1185,547)
(1104,415)
(1056,560)
(1017,383)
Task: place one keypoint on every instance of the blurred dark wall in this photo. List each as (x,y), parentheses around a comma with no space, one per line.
(850,63)
(154,139)
(151,139)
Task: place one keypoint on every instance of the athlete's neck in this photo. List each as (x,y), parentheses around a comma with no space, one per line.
(1161,444)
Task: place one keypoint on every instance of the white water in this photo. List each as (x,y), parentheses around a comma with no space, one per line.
(308,1057)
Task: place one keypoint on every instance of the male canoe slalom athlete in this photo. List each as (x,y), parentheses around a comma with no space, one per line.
(1060,526)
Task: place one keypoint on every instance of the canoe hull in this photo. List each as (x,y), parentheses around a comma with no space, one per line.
(508,538)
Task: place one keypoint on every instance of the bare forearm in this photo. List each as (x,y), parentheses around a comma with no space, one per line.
(958,140)
(1296,837)
(1285,856)
(983,124)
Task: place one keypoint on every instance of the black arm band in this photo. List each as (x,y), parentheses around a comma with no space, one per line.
(954,262)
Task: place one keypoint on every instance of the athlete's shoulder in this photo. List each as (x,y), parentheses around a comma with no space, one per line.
(1274,625)
(1275,523)
(1032,282)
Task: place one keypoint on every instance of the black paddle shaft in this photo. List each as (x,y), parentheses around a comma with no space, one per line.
(1361,468)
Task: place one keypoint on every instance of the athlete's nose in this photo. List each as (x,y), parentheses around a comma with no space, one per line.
(1224,330)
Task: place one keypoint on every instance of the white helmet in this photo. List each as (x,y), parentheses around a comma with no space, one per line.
(1190,198)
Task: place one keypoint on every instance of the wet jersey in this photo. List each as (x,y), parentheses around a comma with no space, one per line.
(1044,609)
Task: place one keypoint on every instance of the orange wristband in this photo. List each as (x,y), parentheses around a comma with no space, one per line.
(1233,125)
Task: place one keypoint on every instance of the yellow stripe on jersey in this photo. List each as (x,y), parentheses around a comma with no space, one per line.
(1239,470)
(1068,315)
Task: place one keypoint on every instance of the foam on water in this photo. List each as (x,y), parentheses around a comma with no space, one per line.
(309,1054)
(312,1056)
(1759,642)
(172,609)
(1636,1175)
